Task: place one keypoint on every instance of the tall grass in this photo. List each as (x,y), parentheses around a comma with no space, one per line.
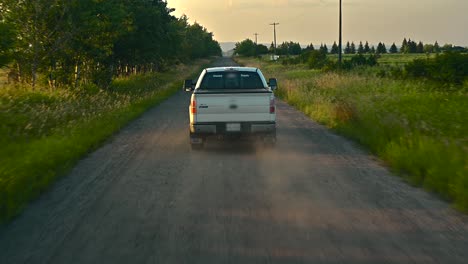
(43,133)
(420,131)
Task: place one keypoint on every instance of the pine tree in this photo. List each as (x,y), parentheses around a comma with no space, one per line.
(420,47)
(372,50)
(412,46)
(381,49)
(325,48)
(436,47)
(347,50)
(310,47)
(366,48)
(353,48)
(335,49)
(404,46)
(393,48)
(360,48)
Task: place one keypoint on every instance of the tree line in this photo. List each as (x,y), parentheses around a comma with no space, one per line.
(294,48)
(86,41)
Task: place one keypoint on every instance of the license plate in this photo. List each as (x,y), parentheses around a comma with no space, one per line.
(233,127)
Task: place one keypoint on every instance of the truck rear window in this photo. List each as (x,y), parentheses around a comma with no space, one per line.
(231,80)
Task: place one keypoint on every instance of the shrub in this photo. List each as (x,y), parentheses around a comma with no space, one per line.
(450,68)
(317,59)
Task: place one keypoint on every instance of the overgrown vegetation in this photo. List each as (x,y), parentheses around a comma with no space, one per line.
(44,132)
(413,124)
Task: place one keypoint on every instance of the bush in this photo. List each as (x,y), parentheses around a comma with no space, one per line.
(361,60)
(317,59)
(450,68)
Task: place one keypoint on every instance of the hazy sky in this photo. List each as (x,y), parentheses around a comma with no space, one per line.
(316,21)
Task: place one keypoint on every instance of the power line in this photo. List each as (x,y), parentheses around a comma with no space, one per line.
(274,24)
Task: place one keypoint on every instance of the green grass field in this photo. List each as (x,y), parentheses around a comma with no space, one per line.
(420,131)
(44,133)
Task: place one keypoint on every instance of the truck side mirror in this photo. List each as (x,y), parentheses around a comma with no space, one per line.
(273,83)
(188,85)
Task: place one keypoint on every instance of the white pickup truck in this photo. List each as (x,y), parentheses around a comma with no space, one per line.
(232,102)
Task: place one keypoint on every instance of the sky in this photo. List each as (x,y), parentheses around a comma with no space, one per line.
(316,21)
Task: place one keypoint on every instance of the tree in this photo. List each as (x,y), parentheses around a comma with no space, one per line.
(420,47)
(6,43)
(404,46)
(272,48)
(283,49)
(289,48)
(360,48)
(310,47)
(436,47)
(428,48)
(294,48)
(245,48)
(393,48)
(262,49)
(366,47)
(41,30)
(79,41)
(353,48)
(381,49)
(334,49)
(411,46)
(324,48)
(372,50)
(347,49)
(447,47)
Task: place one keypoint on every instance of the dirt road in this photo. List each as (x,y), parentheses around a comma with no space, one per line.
(145,197)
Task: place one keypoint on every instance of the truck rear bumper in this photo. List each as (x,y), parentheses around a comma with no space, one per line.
(243,128)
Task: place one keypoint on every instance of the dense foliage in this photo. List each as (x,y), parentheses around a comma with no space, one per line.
(448,68)
(88,41)
(248,48)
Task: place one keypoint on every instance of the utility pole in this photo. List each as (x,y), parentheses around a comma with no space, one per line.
(340,45)
(256,34)
(274,32)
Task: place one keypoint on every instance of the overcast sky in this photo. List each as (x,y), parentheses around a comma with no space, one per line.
(316,21)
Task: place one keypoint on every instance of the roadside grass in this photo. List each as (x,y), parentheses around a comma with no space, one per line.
(44,133)
(418,129)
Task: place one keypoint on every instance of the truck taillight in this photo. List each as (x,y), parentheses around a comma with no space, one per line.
(193,106)
(272,106)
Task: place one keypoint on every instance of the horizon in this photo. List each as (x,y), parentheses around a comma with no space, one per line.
(231,20)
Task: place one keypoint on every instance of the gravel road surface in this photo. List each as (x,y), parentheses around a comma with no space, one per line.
(145,197)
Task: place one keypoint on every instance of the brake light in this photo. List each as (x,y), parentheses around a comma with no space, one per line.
(272,106)
(193,106)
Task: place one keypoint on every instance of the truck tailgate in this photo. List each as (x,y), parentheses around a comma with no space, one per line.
(233,107)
